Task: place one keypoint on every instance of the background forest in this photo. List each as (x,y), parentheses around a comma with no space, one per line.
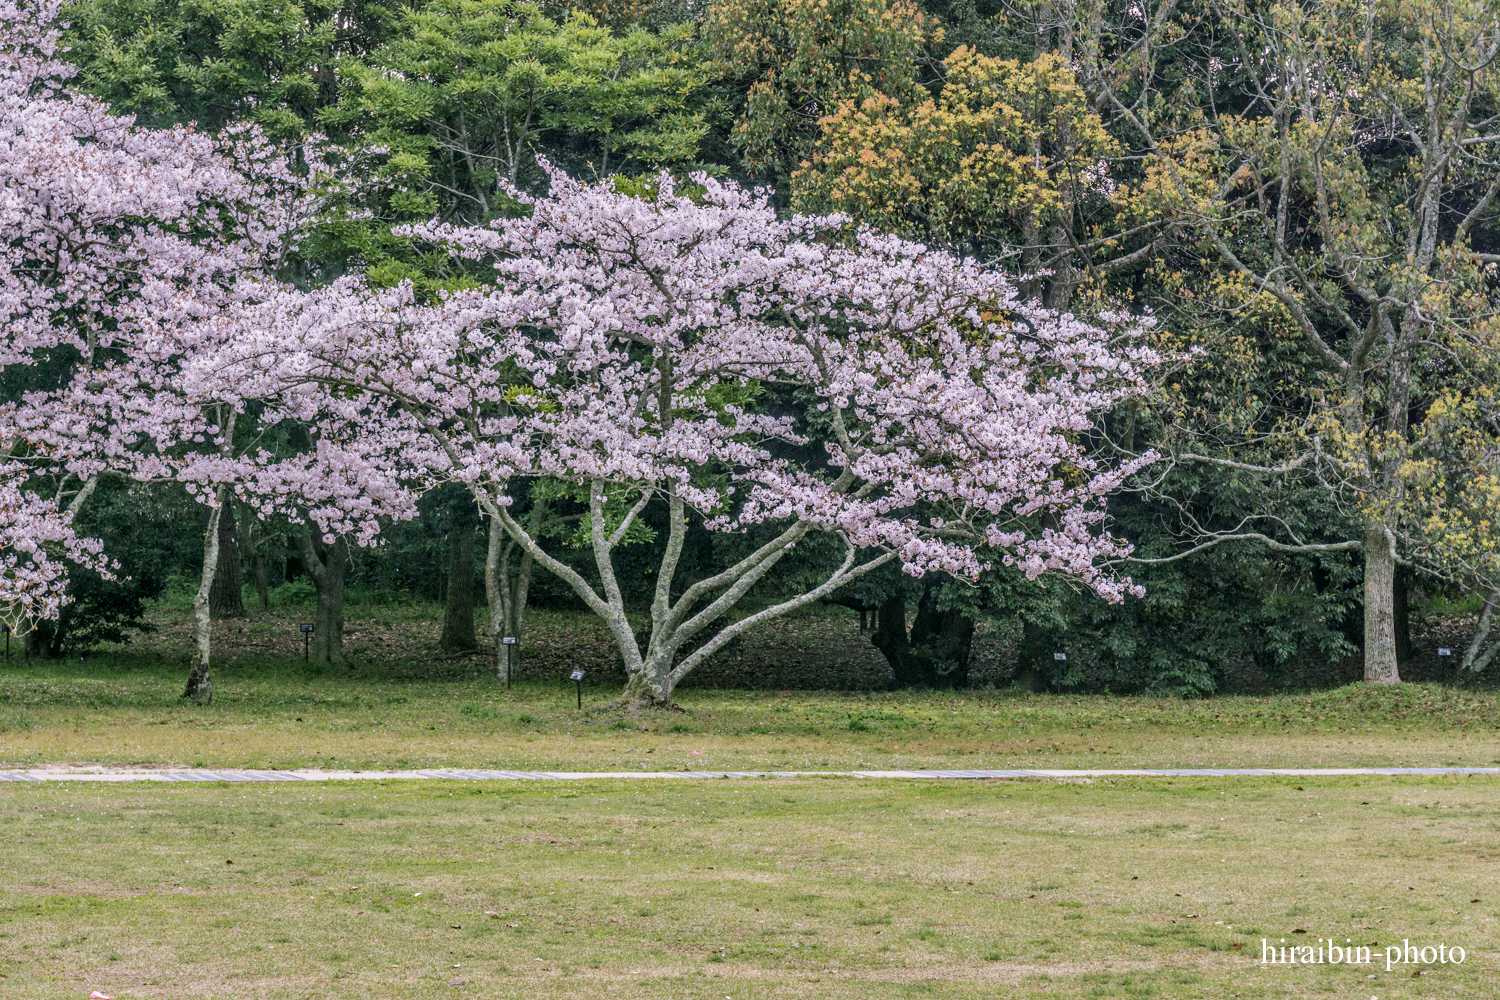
(1302,194)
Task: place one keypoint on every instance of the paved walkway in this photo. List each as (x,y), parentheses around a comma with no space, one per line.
(204,774)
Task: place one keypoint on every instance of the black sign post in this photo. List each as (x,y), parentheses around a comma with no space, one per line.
(1443,653)
(507,641)
(1061,658)
(307,633)
(577,676)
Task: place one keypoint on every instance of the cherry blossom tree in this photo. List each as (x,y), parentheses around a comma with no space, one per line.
(782,377)
(117,244)
(99,222)
(121,251)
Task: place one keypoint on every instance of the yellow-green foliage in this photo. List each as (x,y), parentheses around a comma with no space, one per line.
(799,59)
(1004,145)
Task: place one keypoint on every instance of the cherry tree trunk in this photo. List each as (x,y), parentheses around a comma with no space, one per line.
(199,685)
(1380,609)
(328,565)
(458,608)
(225,597)
(652,686)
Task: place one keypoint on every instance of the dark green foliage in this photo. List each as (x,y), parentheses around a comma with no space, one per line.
(101,611)
(142,529)
(1233,618)
(214,62)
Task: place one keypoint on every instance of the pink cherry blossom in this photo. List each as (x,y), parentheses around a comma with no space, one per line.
(36,544)
(941,418)
(125,248)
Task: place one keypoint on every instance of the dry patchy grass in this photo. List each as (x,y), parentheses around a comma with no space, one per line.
(741,888)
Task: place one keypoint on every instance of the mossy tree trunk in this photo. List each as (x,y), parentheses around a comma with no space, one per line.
(328,565)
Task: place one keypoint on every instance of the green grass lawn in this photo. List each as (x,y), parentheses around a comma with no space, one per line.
(750,888)
(271,714)
(730,888)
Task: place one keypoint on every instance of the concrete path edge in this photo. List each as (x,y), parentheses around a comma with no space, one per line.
(452,774)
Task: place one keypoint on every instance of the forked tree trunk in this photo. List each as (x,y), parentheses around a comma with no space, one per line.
(226,596)
(652,685)
(506,596)
(458,608)
(1380,609)
(328,565)
(199,685)
(700,606)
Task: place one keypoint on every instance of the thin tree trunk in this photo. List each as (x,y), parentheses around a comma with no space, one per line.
(199,685)
(1380,611)
(516,620)
(496,597)
(82,496)
(1473,662)
(328,565)
(506,597)
(458,609)
(521,588)
(253,539)
(226,596)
